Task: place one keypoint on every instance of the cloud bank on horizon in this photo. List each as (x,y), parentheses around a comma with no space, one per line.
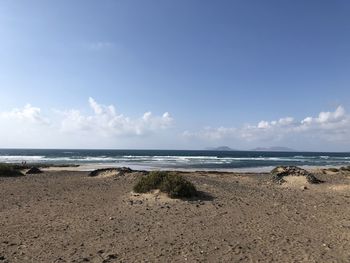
(105,121)
(104,124)
(328,126)
(71,128)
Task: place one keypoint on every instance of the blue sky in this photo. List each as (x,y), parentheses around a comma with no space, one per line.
(237,73)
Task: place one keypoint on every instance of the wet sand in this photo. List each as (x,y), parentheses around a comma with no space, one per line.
(66,216)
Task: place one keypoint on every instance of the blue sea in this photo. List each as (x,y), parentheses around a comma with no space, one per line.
(176,159)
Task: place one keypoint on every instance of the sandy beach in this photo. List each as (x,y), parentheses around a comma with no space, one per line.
(174,131)
(67,216)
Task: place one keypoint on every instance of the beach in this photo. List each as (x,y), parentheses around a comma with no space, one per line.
(68,216)
(174,131)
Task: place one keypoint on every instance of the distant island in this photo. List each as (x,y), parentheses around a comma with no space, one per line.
(220,148)
(273,149)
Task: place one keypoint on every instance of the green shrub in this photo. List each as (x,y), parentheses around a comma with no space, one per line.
(177,186)
(9,171)
(150,182)
(174,185)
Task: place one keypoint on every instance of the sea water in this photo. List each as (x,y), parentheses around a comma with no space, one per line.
(175,159)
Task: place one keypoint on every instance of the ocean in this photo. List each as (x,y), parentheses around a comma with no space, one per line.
(176,159)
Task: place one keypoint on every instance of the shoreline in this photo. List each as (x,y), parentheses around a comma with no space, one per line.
(260,169)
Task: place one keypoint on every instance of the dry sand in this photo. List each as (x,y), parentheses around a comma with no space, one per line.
(66,216)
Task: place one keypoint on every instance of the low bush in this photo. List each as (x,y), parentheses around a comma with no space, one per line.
(345,168)
(177,186)
(9,171)
(34,170)
(174,185)
(150,182)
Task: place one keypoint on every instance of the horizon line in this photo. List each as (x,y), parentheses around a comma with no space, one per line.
(154,149)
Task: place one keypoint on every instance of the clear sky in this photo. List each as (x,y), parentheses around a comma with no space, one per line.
(182,74)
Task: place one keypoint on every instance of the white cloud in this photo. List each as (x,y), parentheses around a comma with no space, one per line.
(105,126)
(102,127)
(326,117)
(107,122)
(282,122)
(286,121)
(263,125)
(96,107)
(27,114)
(330,126)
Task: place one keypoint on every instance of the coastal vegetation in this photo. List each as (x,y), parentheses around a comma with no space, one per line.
(9,171)
(171,183)
(34,170)
(345,168)
(280,172)
(20,166)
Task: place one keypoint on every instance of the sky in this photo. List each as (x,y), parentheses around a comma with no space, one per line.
(185,74)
